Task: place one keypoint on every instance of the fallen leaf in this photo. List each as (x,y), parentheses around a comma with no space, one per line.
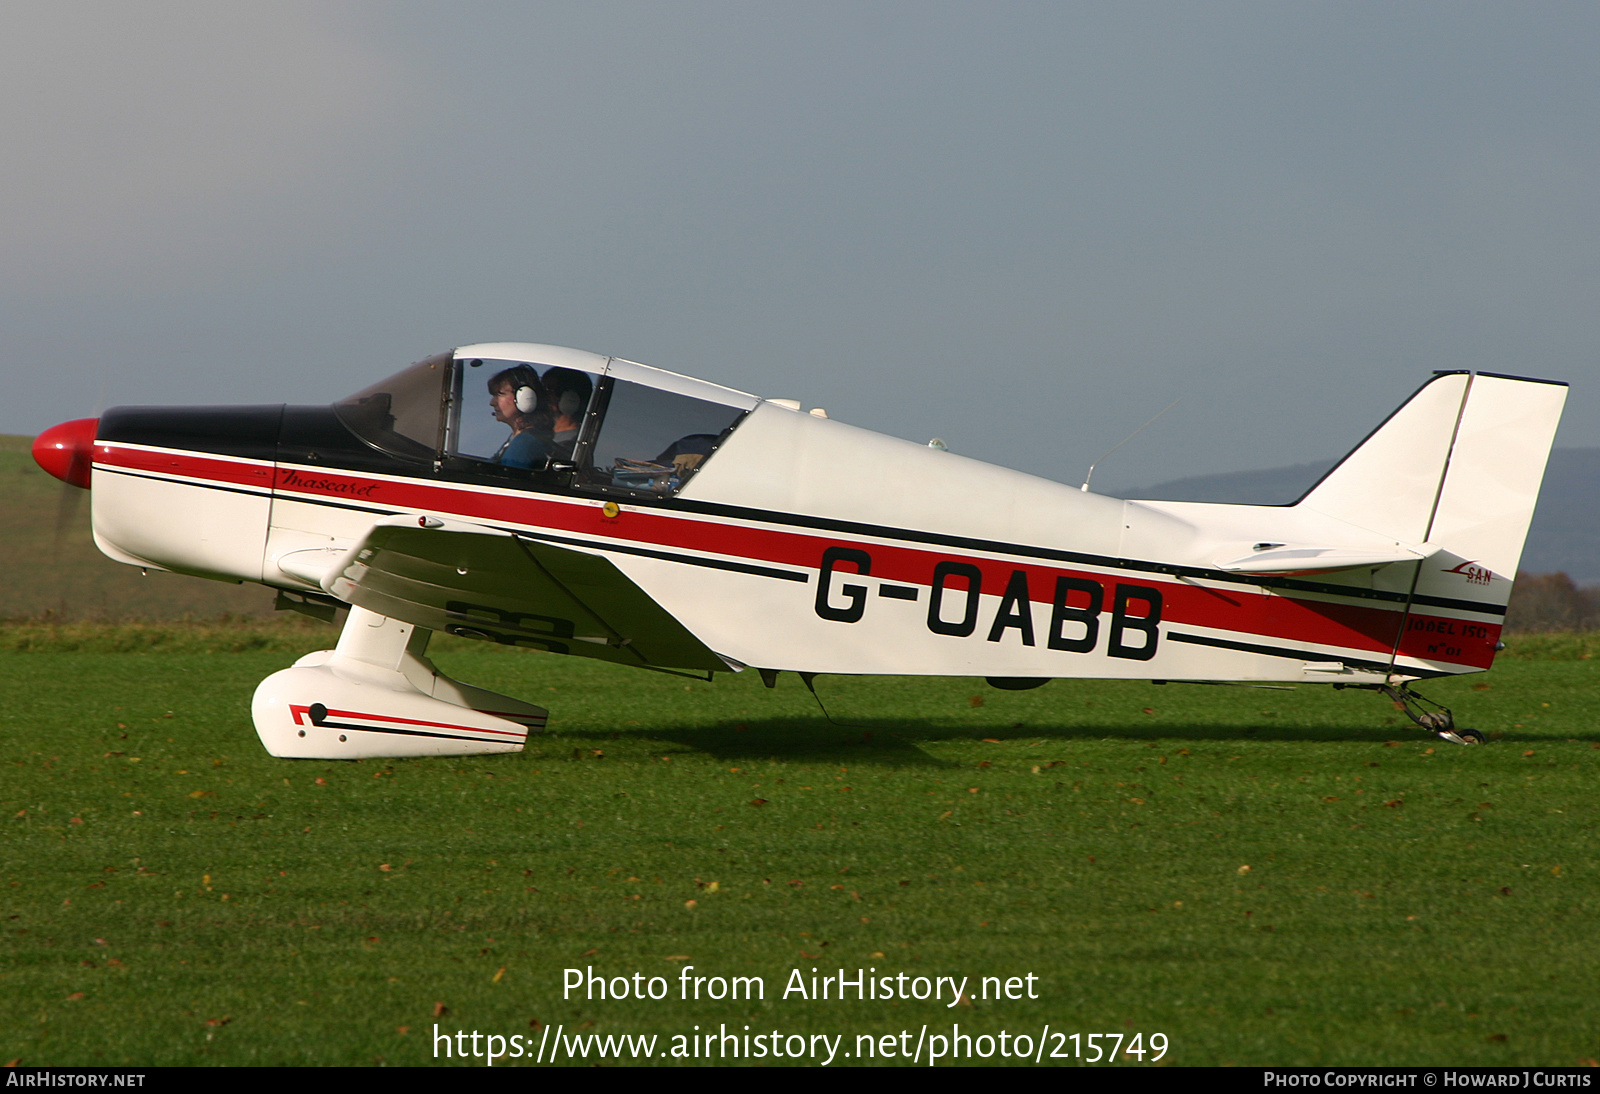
(691,904)
(440,1010)
(75,996)
(498,976)
(1245,869)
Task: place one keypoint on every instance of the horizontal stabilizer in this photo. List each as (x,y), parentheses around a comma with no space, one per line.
(1284,559)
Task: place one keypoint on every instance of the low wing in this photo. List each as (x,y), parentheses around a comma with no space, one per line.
(481,582)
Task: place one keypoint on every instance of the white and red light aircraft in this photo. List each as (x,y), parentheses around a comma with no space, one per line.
(650,519)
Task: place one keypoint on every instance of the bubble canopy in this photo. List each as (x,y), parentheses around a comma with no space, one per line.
(544,415)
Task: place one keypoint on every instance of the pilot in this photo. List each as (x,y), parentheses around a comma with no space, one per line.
(516,397)
(567,392)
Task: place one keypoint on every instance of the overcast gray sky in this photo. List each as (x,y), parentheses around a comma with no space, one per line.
(1024,228)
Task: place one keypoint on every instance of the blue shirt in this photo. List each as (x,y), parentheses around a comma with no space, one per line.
(522,450)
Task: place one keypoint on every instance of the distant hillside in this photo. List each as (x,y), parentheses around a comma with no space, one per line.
(1564,538)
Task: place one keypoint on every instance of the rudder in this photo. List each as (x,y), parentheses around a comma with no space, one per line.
(1457,468)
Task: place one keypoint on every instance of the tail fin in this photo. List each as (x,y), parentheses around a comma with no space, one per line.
(1456,468)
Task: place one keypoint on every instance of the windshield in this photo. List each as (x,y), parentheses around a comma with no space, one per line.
(403,415)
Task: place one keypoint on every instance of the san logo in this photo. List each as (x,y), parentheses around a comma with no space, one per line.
(1473,572)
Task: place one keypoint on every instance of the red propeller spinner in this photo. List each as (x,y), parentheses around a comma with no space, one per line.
(67,450)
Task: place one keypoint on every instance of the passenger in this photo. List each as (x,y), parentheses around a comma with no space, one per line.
(516,397)
(567,393)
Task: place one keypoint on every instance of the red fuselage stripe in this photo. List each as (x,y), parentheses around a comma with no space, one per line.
(1241,610)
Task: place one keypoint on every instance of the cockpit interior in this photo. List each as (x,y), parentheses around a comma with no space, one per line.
(592,423)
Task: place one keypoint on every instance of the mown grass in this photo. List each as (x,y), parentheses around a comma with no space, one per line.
(1266,877)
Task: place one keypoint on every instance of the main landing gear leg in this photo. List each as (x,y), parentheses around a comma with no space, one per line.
(1426,713)
(376,695)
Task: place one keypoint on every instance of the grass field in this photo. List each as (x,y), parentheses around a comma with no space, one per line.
(1265,877)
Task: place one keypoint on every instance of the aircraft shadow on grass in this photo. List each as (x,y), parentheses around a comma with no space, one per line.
(898,743)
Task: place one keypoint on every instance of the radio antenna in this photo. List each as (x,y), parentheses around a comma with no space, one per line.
(1125,440)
